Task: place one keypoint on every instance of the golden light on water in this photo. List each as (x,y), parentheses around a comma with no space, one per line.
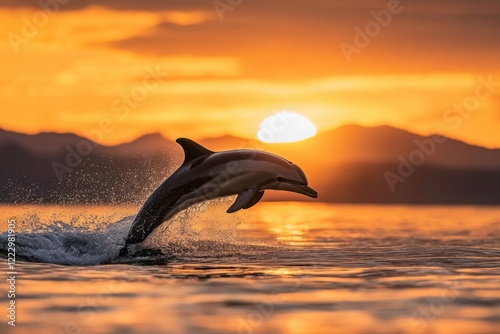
(286,127)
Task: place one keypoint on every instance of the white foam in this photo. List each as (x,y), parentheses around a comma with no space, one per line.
(67,245)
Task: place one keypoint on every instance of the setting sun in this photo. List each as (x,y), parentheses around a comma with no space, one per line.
(286,127)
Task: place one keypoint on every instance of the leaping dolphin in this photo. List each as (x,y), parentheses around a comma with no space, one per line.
(205,175)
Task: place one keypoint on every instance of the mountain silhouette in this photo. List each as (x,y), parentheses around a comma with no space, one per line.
(350,164)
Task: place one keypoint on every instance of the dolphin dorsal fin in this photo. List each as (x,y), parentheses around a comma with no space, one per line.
(192,150)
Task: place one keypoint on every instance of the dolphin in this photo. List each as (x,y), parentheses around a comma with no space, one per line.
(206,175)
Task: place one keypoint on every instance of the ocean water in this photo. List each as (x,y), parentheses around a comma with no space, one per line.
(276,268)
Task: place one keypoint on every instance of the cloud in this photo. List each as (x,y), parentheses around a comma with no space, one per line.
(126,5)
(301,39)
(298,39)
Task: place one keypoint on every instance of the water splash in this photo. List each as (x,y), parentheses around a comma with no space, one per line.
(82,239)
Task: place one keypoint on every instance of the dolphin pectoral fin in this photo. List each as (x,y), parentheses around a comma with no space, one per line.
(255,199)
(243,199)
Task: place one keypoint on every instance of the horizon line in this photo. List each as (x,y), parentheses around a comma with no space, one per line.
(255,138)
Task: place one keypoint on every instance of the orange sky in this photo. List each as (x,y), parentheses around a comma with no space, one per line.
(72,69)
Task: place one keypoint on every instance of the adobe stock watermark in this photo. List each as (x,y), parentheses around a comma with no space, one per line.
(282,126)
(120,108)
(372,29)
(264,310)
(453,118)
(88,309)
(421,318)
(11,272)
(214,187)
(223,6)
(31,26)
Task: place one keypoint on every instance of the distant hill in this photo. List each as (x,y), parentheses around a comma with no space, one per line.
(48,168)
(384,144)
(351,164)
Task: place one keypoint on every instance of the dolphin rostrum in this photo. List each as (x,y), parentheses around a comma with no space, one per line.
(205,175)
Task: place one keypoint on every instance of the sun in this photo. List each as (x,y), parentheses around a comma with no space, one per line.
(286,127)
